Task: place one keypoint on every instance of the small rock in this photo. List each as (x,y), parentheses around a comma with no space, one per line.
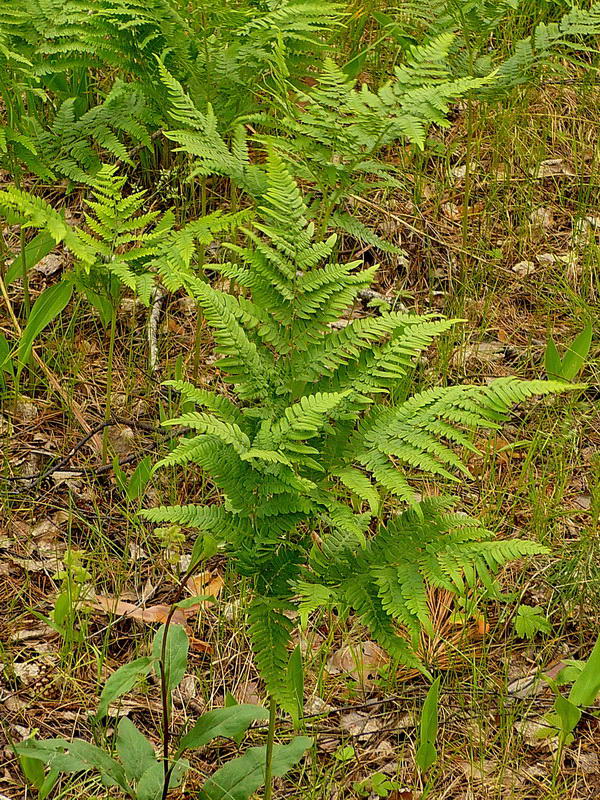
(541,217)
(524,268)
(315,705)
(49,264)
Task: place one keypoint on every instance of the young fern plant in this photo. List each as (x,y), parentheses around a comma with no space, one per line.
(316,468)
(114,250)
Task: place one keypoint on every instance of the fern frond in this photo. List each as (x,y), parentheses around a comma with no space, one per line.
(270,633)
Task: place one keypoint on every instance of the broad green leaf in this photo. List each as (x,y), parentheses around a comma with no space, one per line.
(568,713)
(134,750)
(587,684)
(75,756)
(62,608)
(101,304)
(6,364)
(176,654)
(50,751)
(33,769)
(570,672)
(151,783)
(552,360)
(45,309)
(204,547)
(139,479)
(228,722)
(295,676)
(426,753)
(242,776)
(122,681)
(425,756)
(193,601)
(574,359)
(95,758)
(48,784)
(35,250)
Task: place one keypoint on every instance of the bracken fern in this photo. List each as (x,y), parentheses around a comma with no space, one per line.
(316,469)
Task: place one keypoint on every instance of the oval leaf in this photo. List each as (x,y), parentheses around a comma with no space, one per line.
(228,722)
(134,750)
(176,654)
(239,778)
(122,681)
(46,308)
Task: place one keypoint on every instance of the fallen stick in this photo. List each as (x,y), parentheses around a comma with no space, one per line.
(153,320)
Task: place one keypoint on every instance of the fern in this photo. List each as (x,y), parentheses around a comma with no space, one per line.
(547,41)
(72,145)
(331,134)
(475,47)
(306,455)
(113,250)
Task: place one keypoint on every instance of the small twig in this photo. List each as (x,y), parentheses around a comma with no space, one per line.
(412,228)
(103,468)
(153,320)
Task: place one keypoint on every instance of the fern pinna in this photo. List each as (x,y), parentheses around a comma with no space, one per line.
(311,450)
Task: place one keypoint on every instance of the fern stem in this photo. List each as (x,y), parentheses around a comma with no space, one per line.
(199,314)
(269,753)
(109,380)
(468,177)
(24,276)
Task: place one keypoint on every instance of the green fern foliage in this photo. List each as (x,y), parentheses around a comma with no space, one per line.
(311,447)
(476,48)
(118,246)
(330,135)
(73,145)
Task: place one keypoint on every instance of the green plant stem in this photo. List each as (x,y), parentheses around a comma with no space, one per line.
(269,753)
(109,380)
(164,683)
(164,692)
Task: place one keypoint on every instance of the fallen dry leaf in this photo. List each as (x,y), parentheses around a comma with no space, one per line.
(49,264)
(583,501)
(452,211)
(122,440)
(542,217)
(248,692)
(479,351)
(199,645)
(315,705)
(490,772)
(328,744)
(360,662)
(534,733)
(585,763)
(356,723)
(205,583)
(524,268)
(552,166)
(157,613)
